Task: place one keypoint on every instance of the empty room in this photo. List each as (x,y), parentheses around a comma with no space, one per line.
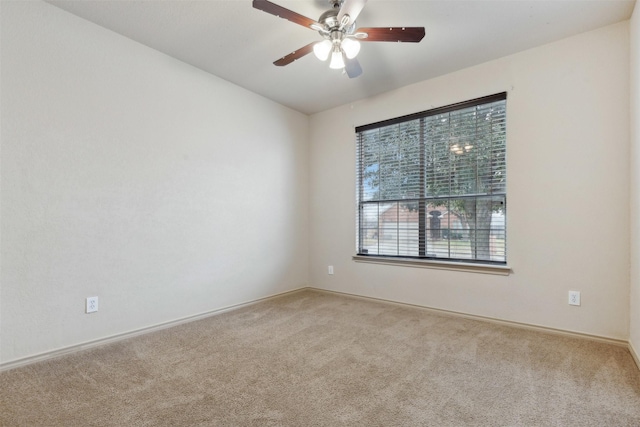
(319,213)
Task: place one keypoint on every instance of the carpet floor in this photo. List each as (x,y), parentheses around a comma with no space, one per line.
(316,359)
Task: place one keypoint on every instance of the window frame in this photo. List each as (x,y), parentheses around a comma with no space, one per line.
(424,258)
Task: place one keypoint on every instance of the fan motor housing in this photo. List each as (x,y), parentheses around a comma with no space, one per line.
(329,19)
(330,23)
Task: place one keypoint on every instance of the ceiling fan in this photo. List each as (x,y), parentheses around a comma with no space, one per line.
(341,38)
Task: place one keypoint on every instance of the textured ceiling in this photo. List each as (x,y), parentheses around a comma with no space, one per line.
(231,40)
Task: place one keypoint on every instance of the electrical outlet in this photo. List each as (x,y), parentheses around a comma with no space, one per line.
(92,305)
(574,297)
(330,269)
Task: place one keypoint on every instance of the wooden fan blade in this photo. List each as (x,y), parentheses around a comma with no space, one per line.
(281,12)
(295,55)
(352,67)
(351,8)
(393,34)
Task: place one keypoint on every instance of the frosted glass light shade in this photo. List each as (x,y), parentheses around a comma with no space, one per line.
(322,50)
(351,47)
(336,60)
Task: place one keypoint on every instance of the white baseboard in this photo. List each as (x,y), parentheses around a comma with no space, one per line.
(118,337)
(546,329)
(634,354)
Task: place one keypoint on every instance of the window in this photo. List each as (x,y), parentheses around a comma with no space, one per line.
(432,185)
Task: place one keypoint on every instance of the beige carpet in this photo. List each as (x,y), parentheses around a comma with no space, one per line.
(316,359)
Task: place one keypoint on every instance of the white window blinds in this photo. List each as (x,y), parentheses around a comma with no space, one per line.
(433,184)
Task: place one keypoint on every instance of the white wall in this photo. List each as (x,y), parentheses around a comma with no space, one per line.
(634,332)
(129,175)
(568,189)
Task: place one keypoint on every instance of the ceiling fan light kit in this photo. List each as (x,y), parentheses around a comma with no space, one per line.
(337,63)
(322,50)
(350,47)
(338,28)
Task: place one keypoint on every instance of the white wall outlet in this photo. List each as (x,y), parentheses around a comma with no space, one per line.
(92,305)
(574,297)
(330,269)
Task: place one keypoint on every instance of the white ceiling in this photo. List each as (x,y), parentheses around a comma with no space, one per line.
(231,40)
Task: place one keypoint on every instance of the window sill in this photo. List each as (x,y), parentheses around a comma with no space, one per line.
(501,270)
